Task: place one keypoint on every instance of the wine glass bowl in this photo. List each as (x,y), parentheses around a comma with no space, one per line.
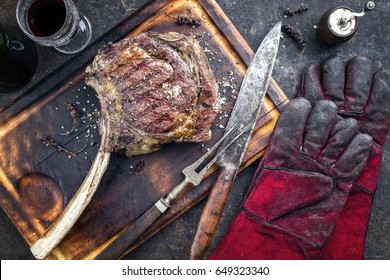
(54,23)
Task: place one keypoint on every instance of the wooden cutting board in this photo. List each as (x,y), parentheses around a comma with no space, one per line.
(130,185)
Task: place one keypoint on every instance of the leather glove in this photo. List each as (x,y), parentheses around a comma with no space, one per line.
(300,186)
(366,98)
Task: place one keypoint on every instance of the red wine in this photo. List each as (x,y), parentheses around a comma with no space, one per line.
(46,17)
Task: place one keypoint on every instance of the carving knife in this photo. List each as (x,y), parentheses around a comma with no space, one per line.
(244,115)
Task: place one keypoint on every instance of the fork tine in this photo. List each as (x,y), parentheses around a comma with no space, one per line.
(220,153)
(190,171)
(210,150)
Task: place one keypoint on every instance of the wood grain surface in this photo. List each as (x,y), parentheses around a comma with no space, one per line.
(130,185)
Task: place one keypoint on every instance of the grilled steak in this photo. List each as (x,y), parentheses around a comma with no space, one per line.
(154,89)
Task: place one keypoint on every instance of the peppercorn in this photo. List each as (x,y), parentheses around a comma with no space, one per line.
(195,22)
(184,20)
(51,143)
(291,12)
(74,115)
(296,35)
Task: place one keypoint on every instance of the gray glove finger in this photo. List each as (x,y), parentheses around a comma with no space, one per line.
(376,118)
(289,129)
(319,127)
(310,85)
(354,158)
(342,134)
(333,80)
(357,83)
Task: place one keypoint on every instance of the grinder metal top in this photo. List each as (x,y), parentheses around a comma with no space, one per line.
(339,24)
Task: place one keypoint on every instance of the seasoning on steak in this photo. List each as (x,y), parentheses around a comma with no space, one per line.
(153,89)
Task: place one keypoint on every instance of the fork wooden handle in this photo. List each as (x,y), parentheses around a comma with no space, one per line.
(211,214)
(131,234)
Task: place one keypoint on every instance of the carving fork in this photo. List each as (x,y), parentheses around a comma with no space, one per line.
(192,179)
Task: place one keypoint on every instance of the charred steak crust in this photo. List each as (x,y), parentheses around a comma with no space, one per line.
(153,89)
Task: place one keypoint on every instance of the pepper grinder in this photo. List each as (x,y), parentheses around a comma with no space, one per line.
(338,25)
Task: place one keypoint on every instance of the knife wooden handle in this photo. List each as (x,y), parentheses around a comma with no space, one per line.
(131,234)
(211,214)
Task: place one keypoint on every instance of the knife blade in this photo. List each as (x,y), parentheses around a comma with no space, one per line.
(244,115)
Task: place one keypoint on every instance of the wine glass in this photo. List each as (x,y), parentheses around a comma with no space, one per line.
(54,23)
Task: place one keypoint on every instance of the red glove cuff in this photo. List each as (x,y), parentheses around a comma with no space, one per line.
(279,192)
